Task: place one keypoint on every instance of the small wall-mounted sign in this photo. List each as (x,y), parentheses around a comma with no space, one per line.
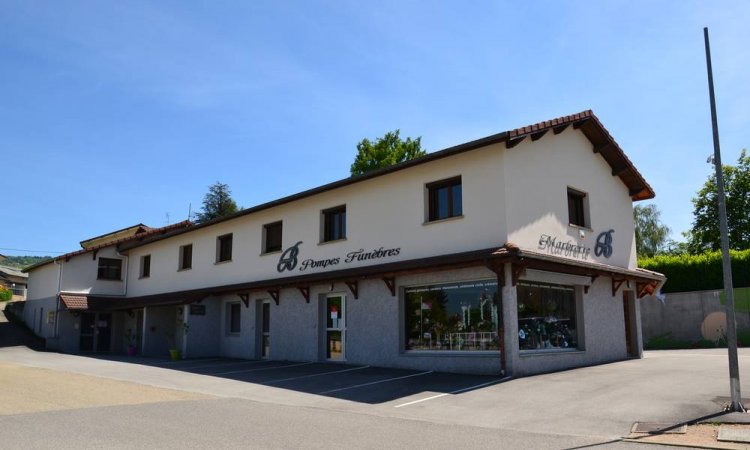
(197,310)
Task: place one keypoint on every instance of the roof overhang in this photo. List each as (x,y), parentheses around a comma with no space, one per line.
(493,258)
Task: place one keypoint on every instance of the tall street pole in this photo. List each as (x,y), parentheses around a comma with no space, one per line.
(734,369)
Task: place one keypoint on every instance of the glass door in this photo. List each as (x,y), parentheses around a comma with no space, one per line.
(88,322)
(104,332)
(336,327)
(265,330)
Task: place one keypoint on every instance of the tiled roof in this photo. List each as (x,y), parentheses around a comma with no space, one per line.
(76,302)
(151,232)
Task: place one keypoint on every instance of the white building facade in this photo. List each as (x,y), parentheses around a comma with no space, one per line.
(513,254)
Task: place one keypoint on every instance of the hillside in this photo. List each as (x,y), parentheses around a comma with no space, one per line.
(22,261)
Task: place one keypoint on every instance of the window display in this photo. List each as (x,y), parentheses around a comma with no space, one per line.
(452,317)
(546,317)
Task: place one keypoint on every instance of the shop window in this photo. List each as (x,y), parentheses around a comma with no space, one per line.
(444,199)
(186,257)
(145,271)
(224,248)
(577,208)
(546,317)
(109,269)
(234,311)
(334,224)
(452,317)
(272,237)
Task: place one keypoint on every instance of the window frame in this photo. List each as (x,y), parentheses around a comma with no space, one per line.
(181,259)
(145,268)
(220,257)
(578,204)
(100,274)
(577,316)
(326,234)
(230,322)
(265,247)
(432,189)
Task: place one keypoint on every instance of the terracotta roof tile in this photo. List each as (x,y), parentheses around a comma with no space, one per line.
(75,302)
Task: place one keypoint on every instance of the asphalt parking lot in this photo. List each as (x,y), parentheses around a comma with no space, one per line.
(358,383)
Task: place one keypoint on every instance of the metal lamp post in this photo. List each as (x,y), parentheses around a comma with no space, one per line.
(734,370)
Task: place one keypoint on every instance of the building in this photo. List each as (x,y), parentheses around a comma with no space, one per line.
(15,280)
(510,254)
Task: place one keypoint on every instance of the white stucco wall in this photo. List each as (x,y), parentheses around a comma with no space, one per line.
(43,282)
(537,175)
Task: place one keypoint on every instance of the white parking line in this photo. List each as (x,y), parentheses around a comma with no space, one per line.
(221,364)
(375,382)
(316,375)
(188,361)
(454,392)
(258,370)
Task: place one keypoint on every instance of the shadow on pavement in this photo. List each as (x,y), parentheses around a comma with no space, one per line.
(358,383)
(14,334)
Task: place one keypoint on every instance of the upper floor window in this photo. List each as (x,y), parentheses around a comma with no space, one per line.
(444,199)
(577,208)
(109,269)
(272,237)
(145,266)
(186,257)
(334,223)
(224,248)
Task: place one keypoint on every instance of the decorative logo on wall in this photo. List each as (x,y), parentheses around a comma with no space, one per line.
(604,244)
(288,259)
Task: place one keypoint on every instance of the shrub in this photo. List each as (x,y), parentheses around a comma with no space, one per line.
(5,294)
(699,272)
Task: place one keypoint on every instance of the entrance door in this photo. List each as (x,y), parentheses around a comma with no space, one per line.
(96,332)
(88,321)
(265,330)
(627,303)
(336,327)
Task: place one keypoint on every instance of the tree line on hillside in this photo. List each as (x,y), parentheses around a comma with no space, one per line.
(22,261)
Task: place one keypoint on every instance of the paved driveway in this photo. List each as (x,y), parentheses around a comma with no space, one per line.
(598,403)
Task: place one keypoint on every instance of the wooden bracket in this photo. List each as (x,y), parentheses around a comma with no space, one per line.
(499,270)
(245,297)
(354,287)
(616,285)
(538,135)
(391,283)
(510,143)
(579,124)
(93,254)
(603,147)
(305,290)
(560,129)
(517,271)
(646,288)
(586,288)
(274,293)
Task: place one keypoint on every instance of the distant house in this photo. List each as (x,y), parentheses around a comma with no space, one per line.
(15,280)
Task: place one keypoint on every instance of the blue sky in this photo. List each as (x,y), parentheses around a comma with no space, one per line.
(114,113)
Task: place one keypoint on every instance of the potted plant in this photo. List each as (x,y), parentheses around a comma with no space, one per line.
(130,342)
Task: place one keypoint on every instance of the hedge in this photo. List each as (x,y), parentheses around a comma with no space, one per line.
(699,272)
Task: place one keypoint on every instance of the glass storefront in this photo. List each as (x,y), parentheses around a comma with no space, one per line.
(546,317)
(452,317)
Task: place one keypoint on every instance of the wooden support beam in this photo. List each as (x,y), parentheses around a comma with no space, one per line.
(586,288)
(274,293)
(517,271)
(538,135)
(354,287)
(245,297)
(510,143)
(390,282)
(603,147)
(635,191)
(499,270)
(619,169)
(579,124)
(616,283)
(93,254)
(305,291)
(560,129)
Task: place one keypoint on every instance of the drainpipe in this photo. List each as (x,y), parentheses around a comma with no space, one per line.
(57,304)
(127,271)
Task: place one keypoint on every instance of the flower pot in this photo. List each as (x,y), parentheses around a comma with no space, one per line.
(131,350)
(175,354)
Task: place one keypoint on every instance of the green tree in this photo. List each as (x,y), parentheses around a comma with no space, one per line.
(217,203)
(650,234)
(384,152)
(704,234)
